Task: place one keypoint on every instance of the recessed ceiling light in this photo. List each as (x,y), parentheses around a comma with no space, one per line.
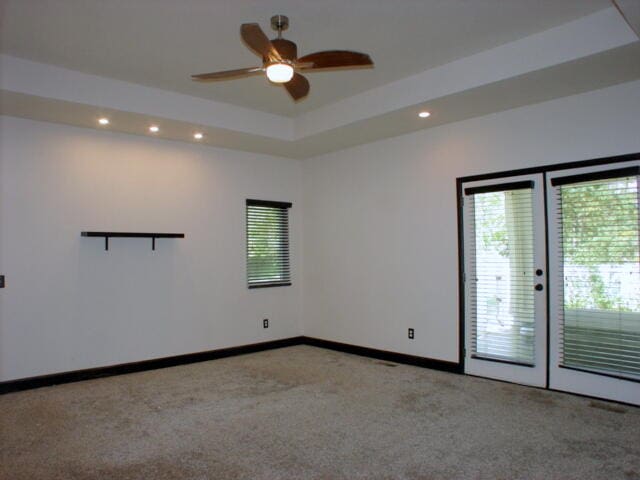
(198,136)
(154,129)
(424,114)
(103,121)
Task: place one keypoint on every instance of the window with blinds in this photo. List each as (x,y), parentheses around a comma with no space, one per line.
(502,272)
(268,244)
(599,262)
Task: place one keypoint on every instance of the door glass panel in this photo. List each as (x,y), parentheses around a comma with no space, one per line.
(600,268)
(502,276)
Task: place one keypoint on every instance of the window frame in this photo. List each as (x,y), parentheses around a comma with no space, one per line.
(286,267)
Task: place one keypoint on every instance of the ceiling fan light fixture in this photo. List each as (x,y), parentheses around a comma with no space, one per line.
(279,72)
(280,61)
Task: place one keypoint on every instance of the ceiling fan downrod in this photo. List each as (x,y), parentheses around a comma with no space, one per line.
(279,23)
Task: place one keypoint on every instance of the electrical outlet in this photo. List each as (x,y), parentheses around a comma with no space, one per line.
(411,334)
(265,323)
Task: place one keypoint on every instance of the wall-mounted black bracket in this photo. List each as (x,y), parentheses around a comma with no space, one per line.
(152,236)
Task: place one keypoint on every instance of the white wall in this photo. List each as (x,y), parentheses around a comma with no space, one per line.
(70,305)
(380,238)
(380,226)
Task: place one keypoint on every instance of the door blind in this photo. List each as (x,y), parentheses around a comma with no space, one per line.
(268,244)
(501,273)
(599,264)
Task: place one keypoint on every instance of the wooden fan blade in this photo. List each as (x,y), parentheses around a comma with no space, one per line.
(298,86)
(334,59)
(257,41)
(226,74)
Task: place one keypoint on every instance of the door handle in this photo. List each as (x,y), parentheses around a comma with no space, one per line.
(1,281)
(539,287)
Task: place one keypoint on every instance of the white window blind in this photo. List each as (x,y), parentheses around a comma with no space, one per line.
(268,262)
(599,262)
(502,272)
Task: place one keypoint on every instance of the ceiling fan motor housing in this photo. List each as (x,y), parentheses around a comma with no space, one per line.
(286,48)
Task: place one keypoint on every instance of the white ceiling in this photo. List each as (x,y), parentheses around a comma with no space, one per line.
(159,43)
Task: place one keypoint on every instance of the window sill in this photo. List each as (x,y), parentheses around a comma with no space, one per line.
(266,285)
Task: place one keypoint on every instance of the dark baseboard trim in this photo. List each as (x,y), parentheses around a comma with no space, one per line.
(154,364)
(124,368)
(101,372)
(425,362)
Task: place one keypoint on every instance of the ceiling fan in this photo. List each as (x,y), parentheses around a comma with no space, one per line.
(280,59)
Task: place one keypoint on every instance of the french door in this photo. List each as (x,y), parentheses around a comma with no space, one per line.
(505,298)
(576,327)
(594,280)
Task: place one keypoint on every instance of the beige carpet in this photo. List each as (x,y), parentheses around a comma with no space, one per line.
(308,413)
